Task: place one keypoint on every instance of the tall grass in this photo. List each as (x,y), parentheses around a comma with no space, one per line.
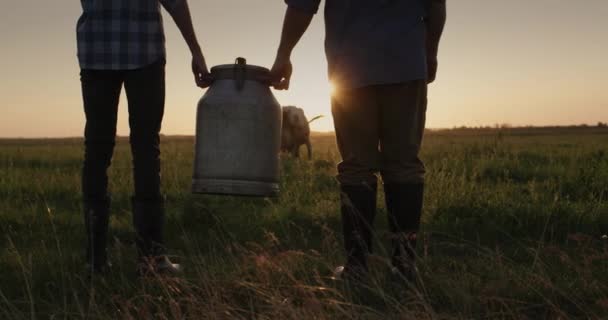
(512,229)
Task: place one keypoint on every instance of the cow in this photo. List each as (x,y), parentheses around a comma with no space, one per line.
(295,131)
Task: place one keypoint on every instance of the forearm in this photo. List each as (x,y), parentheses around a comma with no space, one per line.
(435,23)
(181,15)
(295,24)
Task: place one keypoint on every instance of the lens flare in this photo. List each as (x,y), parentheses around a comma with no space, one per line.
(332,88)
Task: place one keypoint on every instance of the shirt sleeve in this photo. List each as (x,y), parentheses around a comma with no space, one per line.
(308,6)
(170,4)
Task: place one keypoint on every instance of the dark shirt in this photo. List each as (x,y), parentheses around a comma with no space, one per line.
(370,42)
(121,34)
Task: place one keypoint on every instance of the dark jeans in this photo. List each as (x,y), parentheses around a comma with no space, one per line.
(145,89)
(379,129)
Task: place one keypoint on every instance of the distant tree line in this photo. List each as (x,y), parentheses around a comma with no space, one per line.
(510,126)
(505,128)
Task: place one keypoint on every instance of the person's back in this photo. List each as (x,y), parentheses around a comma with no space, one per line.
(372,41)
(120,35)
(361,41)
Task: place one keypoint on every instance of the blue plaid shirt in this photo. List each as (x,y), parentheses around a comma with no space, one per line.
(121,34)
(372,42)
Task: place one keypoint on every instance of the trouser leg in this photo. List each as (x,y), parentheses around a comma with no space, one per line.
(101,92)
(145,90)
(356,119)
(402,122)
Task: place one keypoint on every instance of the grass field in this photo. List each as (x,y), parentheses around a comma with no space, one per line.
(514,225)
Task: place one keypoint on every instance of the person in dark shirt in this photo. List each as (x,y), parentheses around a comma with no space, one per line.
(123,43)
(381,56)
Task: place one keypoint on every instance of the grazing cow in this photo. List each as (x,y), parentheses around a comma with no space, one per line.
(295,131)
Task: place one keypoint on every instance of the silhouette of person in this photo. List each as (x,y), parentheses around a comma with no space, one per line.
(381,56)
(123,43)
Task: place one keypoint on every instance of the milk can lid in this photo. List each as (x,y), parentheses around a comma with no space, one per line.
(241,71)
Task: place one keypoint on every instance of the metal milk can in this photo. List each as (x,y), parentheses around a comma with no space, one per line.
(238,134)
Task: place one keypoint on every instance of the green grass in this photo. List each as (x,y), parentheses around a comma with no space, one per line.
(512,229)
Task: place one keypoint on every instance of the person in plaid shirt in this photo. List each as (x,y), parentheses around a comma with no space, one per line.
(122,43)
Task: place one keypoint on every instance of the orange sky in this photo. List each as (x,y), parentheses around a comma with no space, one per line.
(520,62)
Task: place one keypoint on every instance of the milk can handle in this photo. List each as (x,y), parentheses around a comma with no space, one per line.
(240,72)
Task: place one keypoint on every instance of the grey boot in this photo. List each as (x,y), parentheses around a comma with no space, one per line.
(96,220)
(149,220)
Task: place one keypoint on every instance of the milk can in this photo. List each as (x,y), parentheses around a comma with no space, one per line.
(238,128)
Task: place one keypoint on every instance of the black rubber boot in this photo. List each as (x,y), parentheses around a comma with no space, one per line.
(404,206)
(96,220)
(149,221)
(358,207)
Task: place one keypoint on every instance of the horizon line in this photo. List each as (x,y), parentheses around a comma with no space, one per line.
(506,126)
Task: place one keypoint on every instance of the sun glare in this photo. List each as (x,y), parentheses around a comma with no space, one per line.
(332,88)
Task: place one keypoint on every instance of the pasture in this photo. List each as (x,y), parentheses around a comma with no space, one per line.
(514,227)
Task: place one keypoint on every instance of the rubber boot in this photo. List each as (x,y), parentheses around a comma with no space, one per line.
(404,206)
(148,220)
(358,208)
(96,220)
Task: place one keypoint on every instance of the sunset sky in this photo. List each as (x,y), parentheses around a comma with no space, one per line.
(522,62)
